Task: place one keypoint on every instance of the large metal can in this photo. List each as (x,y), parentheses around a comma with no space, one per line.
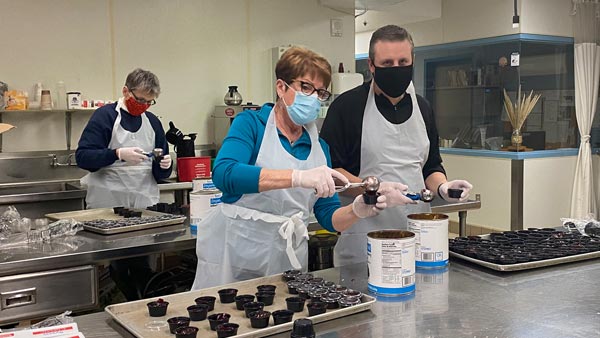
(391,262)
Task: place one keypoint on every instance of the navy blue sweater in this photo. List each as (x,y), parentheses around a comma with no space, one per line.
(93,152)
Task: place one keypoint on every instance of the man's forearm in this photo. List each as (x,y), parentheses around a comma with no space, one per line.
(434,180)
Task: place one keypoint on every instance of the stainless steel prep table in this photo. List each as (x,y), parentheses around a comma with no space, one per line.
(93,248)
(45,278)
(439,205)
(463,301)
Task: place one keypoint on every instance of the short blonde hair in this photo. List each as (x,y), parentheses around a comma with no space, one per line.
(298,61)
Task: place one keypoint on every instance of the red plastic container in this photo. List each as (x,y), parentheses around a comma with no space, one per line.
(189,168)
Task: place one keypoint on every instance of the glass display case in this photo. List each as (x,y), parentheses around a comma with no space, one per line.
(465,81)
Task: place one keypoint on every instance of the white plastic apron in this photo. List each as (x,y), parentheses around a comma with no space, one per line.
(264,233)
(393,153)
(120,184)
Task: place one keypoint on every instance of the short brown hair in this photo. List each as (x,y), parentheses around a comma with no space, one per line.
(389,33)
(143,80)
(298,61)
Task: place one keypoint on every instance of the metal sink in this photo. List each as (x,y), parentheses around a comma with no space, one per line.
(24,192)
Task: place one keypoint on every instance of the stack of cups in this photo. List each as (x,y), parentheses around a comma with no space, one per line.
(46,103)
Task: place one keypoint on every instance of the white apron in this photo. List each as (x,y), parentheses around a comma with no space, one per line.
(264,233)
(393,153)
(121,184)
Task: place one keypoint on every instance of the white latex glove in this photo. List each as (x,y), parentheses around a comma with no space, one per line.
(456,184)
(363,210)
(131,155)
(165,163)
(320,179)
(395,194)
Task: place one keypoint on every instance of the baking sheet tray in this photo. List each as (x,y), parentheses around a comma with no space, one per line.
(527,265)
(134,315)
(108,214)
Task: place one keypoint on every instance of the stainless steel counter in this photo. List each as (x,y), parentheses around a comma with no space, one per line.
(172,184)
(90,248)
(462,301)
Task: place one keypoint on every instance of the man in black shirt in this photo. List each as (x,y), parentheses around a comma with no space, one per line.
(384,129)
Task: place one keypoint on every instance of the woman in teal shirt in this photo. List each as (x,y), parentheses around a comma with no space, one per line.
(274,170)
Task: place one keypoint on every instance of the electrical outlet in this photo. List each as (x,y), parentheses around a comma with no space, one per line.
(336,27)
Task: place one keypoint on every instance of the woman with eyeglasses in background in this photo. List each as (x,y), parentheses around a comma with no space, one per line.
(112,144)
(111,148)
(274,170)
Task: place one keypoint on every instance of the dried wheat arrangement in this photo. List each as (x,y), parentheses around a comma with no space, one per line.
(518,112)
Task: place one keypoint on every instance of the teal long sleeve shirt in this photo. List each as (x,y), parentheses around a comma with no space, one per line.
(236,174)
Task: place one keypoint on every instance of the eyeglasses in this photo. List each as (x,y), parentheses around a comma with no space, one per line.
(308,89)
(142,101)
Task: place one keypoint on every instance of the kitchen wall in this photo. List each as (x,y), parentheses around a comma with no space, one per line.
(548,186)
(494,188)
(196,48)
(547,189)
(474,19)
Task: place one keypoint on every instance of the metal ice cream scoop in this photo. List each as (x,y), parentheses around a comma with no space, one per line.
(156,153)
(426,195)
(340,188)
(370,183)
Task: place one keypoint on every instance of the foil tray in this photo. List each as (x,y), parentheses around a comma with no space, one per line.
(108,214)
(526,265)
(134,316)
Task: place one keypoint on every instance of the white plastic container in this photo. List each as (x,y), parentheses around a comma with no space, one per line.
(200,204)
(73,100)
(203,184)
(341,82)
(61,95)
(391,262)
(431,239)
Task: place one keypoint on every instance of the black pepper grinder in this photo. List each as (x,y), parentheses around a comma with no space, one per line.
(371,186)
(303,328)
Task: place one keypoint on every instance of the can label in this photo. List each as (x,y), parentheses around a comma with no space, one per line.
(431,239)
(200,204)
(203,184)
(391,262)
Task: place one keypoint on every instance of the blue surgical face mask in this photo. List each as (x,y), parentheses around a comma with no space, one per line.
(305,108)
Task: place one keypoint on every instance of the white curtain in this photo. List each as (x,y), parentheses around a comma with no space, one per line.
(586,31)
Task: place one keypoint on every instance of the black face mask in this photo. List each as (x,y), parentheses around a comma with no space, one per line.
(393,81)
